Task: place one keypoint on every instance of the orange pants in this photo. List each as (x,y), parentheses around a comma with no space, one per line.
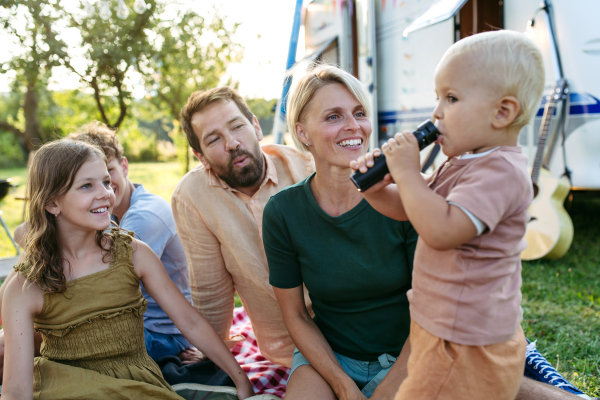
(442,370)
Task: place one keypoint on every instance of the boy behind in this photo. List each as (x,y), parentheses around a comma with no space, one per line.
(471,215)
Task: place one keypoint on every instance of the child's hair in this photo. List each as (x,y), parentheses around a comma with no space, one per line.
(50,176)
(512,64)
(321,75)
(102,136)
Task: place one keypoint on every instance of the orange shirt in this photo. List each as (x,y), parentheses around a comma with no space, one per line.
(471,295)
(221,232)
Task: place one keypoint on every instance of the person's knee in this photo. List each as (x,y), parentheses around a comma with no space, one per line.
(307,383)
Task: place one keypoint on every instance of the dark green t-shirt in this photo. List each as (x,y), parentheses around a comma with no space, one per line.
(357,268)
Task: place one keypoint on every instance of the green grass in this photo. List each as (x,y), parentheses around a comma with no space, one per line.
(561,298)
(561,302)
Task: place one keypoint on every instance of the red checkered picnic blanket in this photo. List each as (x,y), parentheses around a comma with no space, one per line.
(265,376)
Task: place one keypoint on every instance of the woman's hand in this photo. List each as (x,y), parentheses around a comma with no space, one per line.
(363,163)
(350,392)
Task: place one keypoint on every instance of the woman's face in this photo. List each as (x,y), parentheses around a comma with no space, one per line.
(89,202)
(335,125)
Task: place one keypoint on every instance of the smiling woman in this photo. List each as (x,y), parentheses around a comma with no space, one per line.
(355,262)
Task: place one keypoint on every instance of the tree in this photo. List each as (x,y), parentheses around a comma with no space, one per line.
(28,23)
(193,53)
(176,52)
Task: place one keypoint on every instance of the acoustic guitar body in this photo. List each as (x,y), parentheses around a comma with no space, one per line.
(550,230)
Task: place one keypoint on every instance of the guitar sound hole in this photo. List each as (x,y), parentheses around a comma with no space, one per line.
(536,190)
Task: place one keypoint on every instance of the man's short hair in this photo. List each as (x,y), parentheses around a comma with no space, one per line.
(199,100)
(511,63)
(102,136)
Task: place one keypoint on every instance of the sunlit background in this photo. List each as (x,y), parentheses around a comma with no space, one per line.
(264,32)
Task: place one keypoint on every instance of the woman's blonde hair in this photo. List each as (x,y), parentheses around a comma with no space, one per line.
(510,63)
(50,176)
(321,75)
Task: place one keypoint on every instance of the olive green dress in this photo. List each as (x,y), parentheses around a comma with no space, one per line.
(93,337)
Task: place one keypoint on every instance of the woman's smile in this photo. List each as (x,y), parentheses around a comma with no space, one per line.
(351,143)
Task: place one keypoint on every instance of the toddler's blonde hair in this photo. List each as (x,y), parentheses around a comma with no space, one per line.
(511,63)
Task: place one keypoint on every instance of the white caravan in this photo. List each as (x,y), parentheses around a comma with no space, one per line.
(393,47)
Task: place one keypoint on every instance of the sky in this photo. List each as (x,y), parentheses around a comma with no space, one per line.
(265,31)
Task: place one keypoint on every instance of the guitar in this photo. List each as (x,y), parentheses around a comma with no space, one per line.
(550,230)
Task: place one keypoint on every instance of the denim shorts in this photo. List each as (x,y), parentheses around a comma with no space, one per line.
(366,374)
(159,345)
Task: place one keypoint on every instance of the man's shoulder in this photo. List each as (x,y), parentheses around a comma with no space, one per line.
(190,183)
(286,153)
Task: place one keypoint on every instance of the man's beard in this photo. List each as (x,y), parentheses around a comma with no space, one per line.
(247,176)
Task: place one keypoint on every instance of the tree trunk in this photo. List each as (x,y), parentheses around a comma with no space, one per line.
(33,135)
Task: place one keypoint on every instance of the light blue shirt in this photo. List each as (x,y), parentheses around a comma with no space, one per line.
(150,217)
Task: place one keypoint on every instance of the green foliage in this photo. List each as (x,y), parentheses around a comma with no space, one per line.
(181,146)
(10,151)
(262,108)
(193,53)
(171,50)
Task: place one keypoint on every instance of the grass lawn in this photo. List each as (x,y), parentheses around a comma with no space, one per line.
(561,298)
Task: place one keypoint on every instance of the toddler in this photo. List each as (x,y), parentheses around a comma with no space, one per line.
(471,215)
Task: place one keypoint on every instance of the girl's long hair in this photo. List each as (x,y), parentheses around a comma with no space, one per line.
(50,176)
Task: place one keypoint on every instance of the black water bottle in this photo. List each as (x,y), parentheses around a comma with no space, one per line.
(426,134)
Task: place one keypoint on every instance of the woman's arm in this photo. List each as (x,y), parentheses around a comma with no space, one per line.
(312,344)
(190,322)
(23,300)
(383,196)
(389,386)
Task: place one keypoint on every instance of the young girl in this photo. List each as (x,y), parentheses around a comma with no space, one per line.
(79,287)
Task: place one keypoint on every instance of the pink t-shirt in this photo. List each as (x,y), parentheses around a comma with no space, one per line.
(471,295)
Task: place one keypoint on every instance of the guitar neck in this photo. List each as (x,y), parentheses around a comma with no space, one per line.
(539,155)
(557,94)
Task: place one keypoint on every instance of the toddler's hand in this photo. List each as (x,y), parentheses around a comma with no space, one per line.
(402,155)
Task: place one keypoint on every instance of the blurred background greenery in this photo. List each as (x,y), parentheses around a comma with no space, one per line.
(134,75)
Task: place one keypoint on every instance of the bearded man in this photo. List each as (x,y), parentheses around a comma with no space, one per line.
(218,210)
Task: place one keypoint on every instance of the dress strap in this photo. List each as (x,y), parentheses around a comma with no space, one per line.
(123,251)
(24,269)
